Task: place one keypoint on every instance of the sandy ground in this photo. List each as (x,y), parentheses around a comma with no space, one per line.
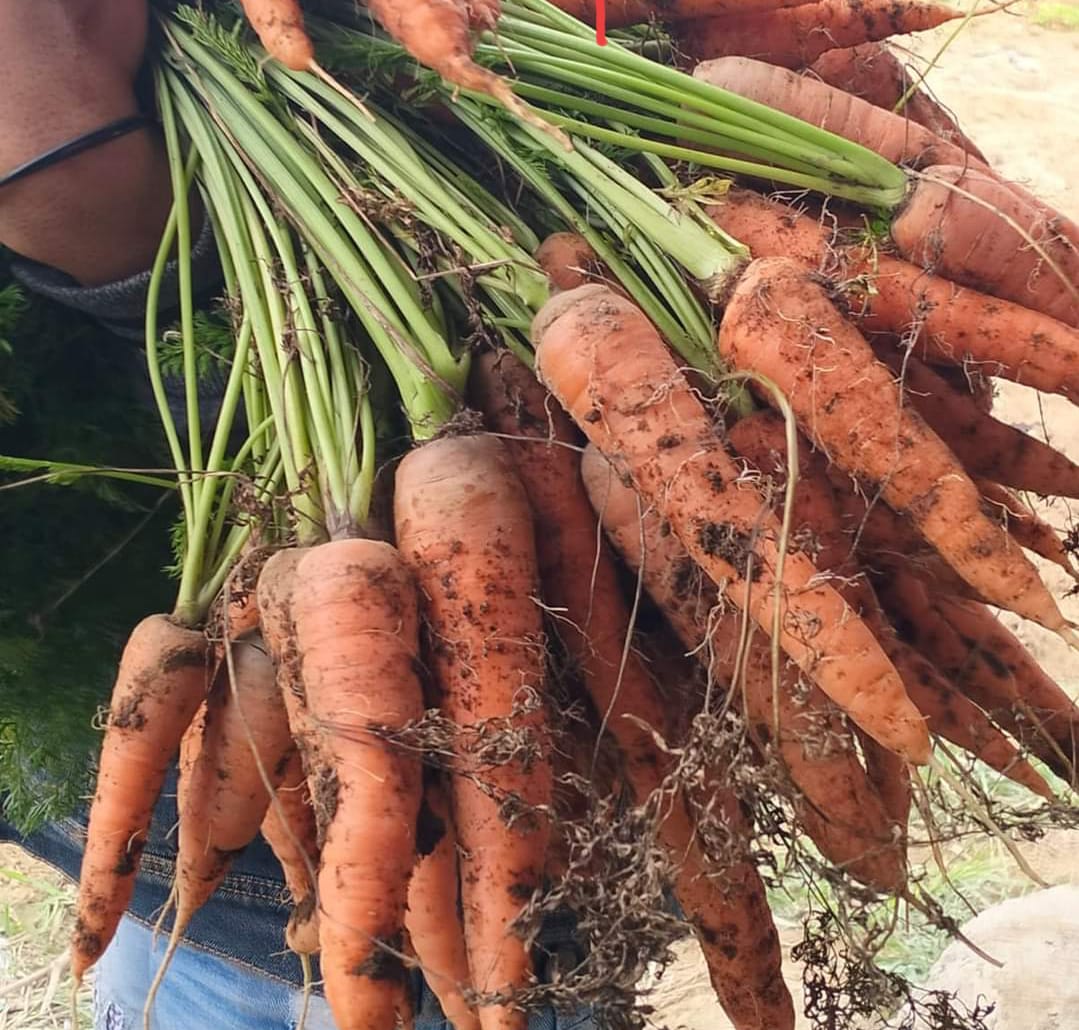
(1015,89)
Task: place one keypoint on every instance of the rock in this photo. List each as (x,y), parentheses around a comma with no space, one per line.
(1036,937)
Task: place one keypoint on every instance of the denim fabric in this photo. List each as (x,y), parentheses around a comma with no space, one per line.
(200,989)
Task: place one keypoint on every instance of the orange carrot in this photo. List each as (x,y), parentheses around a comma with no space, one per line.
(464,525)
(569,261)
(159,687)
(992,668)
(1025,525)
(951,324)
(991,237)
(796,36)
(780,323)
(580,582)
(874,73)
(986,446)
(356,625)
(890,135)
(289,828)
(818,519)
(279,24)
(224,796)
(834,801)
(432,920)
(611,371)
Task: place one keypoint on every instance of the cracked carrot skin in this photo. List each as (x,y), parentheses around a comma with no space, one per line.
(465,527)
(780,323)
(354,609)
(612,372)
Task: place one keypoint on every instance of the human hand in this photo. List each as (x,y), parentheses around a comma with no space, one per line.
(68,67)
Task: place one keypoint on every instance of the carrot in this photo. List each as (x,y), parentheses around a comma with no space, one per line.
(354,609)
(1025,525)
(952,325)
(569,261)
(432,919)
(890,135)
(279,24)
(796,36)
(874,73)
(780,323)
(986,446)
(834,800)
(956,235)
(580,582)
(245,744)
(890,777)
(289,828)
(988,665)
(159,687)
(611,371)
(818,518)
(464,525)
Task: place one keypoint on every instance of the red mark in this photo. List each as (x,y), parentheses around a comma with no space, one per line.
(601,22)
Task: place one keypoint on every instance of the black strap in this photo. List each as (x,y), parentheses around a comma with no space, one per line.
(87,141)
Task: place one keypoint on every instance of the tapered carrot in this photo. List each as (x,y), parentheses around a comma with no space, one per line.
(354,610)
(225,795)
(1009,686)
(289,828)
(986,446)
(464,525)
(874,73)
(280,28)
(780,323)
(818,519)
(1025,525)
(971,228)
(796,36)
(835,802)
(951,324)
(160,684)
(432,918)
(611,371)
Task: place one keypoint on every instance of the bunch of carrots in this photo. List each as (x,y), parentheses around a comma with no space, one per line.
(757,416)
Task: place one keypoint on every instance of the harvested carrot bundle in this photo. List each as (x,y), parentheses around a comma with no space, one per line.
(464,526)
(952,325)
(356,626)
(609,368)
(289,828)
(279,24)
(160,684)
(835,802)
(874,73)
(818,520)
(780,323)
(973,229)
(987,447)
(432,919)
(793,37)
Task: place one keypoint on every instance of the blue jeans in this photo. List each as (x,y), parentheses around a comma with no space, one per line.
(203,991)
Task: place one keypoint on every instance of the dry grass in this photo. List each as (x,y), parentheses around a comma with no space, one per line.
(36,913)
